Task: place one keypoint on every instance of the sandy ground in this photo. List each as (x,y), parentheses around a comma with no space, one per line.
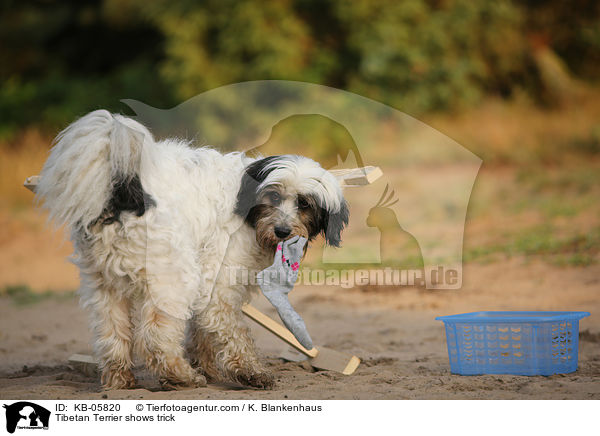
(393,331)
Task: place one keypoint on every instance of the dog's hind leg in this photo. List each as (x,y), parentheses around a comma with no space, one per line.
(230,342)
(112,328)
(159,339)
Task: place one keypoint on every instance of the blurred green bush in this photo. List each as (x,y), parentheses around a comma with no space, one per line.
(59,59)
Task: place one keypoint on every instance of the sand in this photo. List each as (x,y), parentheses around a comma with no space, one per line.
(392,330)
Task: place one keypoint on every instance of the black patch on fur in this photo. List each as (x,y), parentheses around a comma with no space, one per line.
(332,224)
(247,205)
(318,220)
(312,216)
(127,196)
(335,223)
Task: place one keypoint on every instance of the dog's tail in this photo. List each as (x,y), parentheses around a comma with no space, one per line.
(93,171)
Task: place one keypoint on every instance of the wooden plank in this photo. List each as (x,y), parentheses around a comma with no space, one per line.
(336,361)
(85,364)
(31,182)
(324,360)
(277,329)
(356,177)
(349,178)
(319,357)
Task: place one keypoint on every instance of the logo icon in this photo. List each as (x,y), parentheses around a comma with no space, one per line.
(397,246)
(431,174)
(26,415)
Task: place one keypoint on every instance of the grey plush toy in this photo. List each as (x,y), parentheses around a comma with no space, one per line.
(278,280)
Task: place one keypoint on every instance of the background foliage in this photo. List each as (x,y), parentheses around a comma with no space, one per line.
(59,59)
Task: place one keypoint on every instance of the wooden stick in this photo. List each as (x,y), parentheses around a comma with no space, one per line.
(277,329)
(322,358)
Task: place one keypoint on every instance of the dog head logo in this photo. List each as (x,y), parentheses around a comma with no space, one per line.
(432,175)
(26,415)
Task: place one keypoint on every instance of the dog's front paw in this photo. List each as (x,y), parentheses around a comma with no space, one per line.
(172,383)
(260,380)
(118,378)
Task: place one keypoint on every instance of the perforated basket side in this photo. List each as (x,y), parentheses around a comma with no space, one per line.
(493,348)
(512,348)
(453,348)
(557,344)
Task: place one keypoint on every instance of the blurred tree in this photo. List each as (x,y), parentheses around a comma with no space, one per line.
(59,59)
(570,28)
(434,54)
(417,54)
(224,41)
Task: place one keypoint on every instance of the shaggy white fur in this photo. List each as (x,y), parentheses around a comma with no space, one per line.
(155,227)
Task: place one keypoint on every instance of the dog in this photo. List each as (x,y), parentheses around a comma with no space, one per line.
(156,225)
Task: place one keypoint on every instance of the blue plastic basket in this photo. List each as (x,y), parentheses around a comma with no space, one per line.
(520,343)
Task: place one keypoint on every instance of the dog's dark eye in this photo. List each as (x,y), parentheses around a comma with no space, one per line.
(302,203)
(274,198)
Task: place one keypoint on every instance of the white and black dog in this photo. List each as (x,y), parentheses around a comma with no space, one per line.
(156,223)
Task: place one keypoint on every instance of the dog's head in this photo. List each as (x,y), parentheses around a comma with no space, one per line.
(284,196)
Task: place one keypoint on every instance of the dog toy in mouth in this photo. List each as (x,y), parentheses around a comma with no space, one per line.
(278,280)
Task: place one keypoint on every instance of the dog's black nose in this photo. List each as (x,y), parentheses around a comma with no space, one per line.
(282,232)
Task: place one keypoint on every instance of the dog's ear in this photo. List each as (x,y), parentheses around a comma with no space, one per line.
(334,223)
(253,176)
